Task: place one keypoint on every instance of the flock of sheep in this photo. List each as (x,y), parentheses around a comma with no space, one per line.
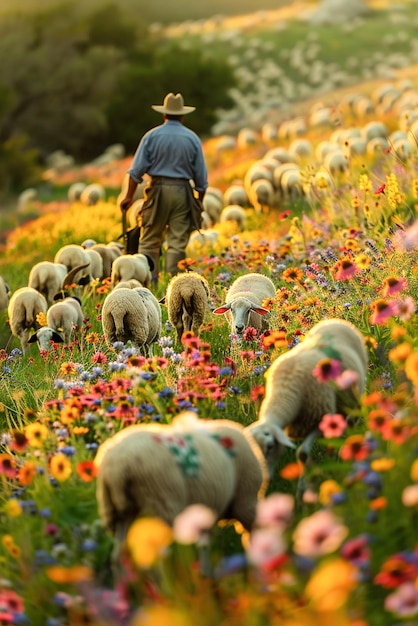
(139,469)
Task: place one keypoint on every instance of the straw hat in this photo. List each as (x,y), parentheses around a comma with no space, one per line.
(173,105)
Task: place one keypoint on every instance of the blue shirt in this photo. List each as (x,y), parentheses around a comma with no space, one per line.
(170,150)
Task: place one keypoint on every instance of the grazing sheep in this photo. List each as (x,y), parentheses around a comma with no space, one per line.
(128,284)
(92,194)
(236,194)
(213,204)
(45,337)
(128,266)
(5,294)
(73,255)
(295,401)
(126,317)
(24,306)
(187,298)
(154,317)
(65,317)
(336,162)
(207,237)
(109,254)
(48,278)
(243,302)
(75,190)
(261,195)
(291,184)
(140,472)
(96,263)
(233,213)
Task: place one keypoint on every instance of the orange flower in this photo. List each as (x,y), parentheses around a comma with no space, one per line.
(69,575)
(355,448)
(86,470)
(276,338)
(378,503)
(27,473)
(293,275)
(401,352)
(60,467)
(411,368)
(7,465)
(396,430)
(291,471)
(378,419)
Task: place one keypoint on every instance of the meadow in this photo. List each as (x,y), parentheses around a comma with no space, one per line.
(347,553)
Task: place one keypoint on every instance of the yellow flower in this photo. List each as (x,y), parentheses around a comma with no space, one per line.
(13,508)
(157,615)
(11,547)
(36,434)
(414,471)
(382,465)
(331,584)
(147,539)
(362,261)
(67,369)
(401,352)
(60,467)
(328,489)
(411,368)
(41,319)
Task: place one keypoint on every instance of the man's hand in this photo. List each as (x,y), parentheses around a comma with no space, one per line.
(125,204)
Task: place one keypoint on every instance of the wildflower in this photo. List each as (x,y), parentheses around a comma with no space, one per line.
(276,511)
(69,575)
(19,441)
(332,425)
(26,473)
(404,601)
(411,368)
(292,275)
(356,551)
(193,523)
(396,430)
(36,434)
(268,303)
(331,584)
(414,471)
(41,319)
(377,420)
(265,547)
(344,269)
(86,470)
(184,264)
(257,393)
(291,471)
(378,503)
(99,357)
(410,496)
(406,308)
(395,570)
(382,311)
(13,508)
(382,464)
(401,352)
(68,368)
(393,285)
(147,539)
(326,370)
(347,380)
(275,338)
(355,448)
(10,601)
(7,465)
(60,467)
(319,534)
(249,334)
(381,189)
(327,490)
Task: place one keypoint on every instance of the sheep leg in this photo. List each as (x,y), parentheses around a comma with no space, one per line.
(303,455)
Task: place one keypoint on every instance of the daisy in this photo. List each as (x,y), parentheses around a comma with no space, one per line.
(319,534)
(326,370)
(60,467)
(332,425)
(344,269)
(382,311)
(393,285)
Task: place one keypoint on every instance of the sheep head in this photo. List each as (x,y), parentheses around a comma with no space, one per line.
(271,440)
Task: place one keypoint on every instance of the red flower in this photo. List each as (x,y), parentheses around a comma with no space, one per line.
(381,189)
(86,470)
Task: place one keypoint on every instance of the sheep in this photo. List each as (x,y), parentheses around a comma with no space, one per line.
(139,472)
(336,162)
(128,284)
(233,213)
(5,294)
(291,184)
(128,266)
(92,194)
(295,401)
(24,306)
(48,278)
(126,317)
(96,263)
(45,337)
(202,238)
(243,302)
(75,190)
(73,255)
(154,317)
(64,317)
(261,195)
(236,194)
(212,205)
(187,298)
(109,254)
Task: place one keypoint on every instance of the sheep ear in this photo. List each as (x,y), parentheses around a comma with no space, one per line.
(260,310)
(162,301)
(56,337)
(281,437)
(221,309)
(33,338)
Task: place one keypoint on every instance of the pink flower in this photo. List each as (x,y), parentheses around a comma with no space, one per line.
(332,425)
(326,370)
(406,308)
(265,545)
(99,357)
(346,380)
(10,601)
(275,511)
(382,311)
(319,534)
(249,334)
(404,601)
(356,551)
(393,285)
(193,524)
(344,269)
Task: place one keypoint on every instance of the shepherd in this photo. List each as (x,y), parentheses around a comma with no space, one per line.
(172,156)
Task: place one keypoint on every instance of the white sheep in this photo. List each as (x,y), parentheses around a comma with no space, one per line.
(295,401)
(96,263)
(261,195)
(108,253)
(45,337)
(65,317)
(202,238)
(336,162)
(125,317)
(213,204)
(75,190)
(72,255)
(92,194)
(154,317)
(243,303)
(187,298)
(128,266)
(128,284)
(24,306)
(48,278)
(160,469)
(5,294)
(236,194)
(233,213)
